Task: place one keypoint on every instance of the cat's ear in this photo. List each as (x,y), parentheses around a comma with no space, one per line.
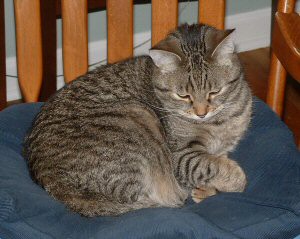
(224,45)
(166,61)
(166,54)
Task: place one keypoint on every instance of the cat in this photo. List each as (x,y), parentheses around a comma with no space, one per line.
(148,131)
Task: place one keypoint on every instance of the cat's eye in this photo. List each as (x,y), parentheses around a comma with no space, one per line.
(184,97)
(214,92)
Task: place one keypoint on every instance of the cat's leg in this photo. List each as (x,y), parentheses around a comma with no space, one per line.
(200,193)
(230,177)
(194,169)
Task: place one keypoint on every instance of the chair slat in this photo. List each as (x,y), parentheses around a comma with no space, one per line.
(29,47)
(164,18)
(212,12)
(48,21)
(75,38)
(2,58)
(120,30)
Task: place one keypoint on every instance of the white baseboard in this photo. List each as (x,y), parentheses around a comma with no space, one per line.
(252,32)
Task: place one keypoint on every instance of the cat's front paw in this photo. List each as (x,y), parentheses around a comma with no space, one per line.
(231,177)
(200,193)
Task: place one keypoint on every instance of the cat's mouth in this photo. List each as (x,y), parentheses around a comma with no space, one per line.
(204,117)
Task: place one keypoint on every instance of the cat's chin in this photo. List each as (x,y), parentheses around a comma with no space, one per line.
(195,118)
(198,119)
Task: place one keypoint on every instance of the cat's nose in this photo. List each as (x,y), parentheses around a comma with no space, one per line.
(201,110)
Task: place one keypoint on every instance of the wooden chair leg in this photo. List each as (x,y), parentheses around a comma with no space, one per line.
(276,86)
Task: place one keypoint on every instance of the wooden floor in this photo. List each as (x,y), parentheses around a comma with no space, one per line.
(256,64)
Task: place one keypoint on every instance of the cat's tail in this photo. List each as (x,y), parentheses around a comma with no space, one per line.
(99,206)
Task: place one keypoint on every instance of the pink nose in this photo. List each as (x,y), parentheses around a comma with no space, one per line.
(200,110)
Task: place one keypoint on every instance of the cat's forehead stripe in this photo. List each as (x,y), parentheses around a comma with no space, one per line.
(192,83)
(195,49)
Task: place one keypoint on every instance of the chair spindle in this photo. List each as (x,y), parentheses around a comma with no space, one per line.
(29,47)
(75,38)
(212,12)
(164,18)
(120,30)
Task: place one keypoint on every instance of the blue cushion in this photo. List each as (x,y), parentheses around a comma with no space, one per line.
(269,208)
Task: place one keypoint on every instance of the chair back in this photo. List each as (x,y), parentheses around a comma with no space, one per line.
(285,53)
(32,59)
(285,58)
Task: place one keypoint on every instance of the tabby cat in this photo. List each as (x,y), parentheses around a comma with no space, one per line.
(148,131)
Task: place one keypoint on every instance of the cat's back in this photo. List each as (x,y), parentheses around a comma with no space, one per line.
(109,83)
(93,94)
(89,115)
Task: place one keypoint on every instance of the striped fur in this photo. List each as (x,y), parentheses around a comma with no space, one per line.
(122,137)
(212,77)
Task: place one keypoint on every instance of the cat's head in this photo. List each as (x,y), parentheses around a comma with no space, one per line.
(196,70)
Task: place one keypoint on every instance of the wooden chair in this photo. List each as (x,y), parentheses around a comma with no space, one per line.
(36,67)
(285,54)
